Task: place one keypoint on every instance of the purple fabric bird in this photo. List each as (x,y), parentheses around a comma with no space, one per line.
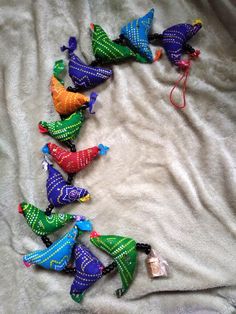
(59,192)
(88,271)
(84,76)
(175,38)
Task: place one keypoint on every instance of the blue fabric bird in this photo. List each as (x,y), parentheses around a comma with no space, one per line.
(58,255)
(136,33)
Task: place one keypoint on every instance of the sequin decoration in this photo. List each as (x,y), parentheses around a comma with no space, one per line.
(42,224)
(123,251)
(88,271)
(60,193)
(57,255)
(72,162)
(136,32)
(84,76)
(64,130)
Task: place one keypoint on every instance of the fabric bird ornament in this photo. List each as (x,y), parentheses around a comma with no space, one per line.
(107,51)
(123,251)
(42,224)
(67,102)
(84,76)
(59,192)
(56,256)
(136,33)
(72,162)
(174,40)
(64,130)
(88,271)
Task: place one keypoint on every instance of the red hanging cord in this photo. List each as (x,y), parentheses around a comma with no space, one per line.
(186,66)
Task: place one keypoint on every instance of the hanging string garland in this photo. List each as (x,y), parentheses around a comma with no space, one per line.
(65,254)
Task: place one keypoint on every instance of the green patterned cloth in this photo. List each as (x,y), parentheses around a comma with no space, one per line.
(64,130)
(40,223)
(123,251)
(106,51)
(58,69)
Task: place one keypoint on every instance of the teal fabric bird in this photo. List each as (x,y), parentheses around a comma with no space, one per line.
(136,33)
(58,255)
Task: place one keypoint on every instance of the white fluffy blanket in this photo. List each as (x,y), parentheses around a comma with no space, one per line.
(169,177)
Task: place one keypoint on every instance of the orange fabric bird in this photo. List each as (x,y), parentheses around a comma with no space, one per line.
(66,102)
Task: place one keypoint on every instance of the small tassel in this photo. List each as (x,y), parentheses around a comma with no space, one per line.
(156,265)
(184,65)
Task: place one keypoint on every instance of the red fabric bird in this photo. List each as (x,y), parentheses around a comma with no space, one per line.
(72,162)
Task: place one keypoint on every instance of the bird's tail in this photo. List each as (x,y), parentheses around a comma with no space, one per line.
(103,149)
(77,297)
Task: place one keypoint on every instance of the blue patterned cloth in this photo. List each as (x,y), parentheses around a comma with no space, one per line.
(59,192)
(84,76)
(136,32)
(175,38)
(88,271)
(58,255)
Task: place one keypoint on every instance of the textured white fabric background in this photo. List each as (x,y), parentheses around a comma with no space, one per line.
(169,177)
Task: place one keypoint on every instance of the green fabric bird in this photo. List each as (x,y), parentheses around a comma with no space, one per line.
(64,130)
(123,251)
(107,51)
(40,223)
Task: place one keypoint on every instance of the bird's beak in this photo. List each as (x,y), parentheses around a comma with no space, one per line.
(197,21)
(26,264)
(20,209)
(42,129)
(85,198)
(94,234)
(92,27)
